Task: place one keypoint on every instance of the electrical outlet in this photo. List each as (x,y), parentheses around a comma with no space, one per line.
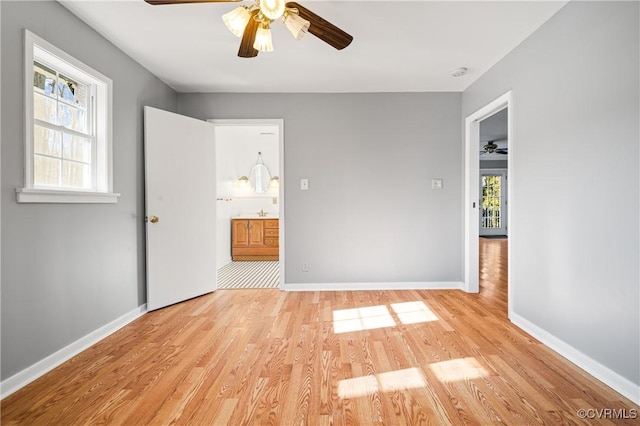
(305,266)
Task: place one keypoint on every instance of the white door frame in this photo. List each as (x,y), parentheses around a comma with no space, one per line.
(472,173)
(280,123)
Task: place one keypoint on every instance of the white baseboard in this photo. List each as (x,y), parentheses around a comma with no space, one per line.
(604,374)
(418,285)
(29,374)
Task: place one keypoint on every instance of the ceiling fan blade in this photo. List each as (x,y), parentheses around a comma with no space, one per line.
(501,151)
(160,2)
(323,29)
(248,38)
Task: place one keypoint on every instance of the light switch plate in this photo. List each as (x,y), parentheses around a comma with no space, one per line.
(304,184)
(436,183)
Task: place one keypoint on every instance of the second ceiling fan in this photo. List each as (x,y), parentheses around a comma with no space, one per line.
(492,147)
(253,22)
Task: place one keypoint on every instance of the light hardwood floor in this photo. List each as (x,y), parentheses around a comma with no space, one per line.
(255,357)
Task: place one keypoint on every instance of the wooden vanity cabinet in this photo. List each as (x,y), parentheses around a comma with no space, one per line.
(255,239)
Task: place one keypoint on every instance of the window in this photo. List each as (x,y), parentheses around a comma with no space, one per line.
(491,201)
(67,128)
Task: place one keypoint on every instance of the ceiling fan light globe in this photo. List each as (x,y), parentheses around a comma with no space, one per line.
(296,25)
(490,147)
(263,42)
(272,9)
(236,20)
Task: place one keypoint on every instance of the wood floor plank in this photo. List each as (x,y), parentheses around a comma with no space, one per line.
(266,357)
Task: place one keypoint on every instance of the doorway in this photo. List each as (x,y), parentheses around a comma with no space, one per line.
(474,206)
(250,203)
(493,203)
(493,181)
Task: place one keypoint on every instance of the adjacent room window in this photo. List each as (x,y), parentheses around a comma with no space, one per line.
(491,201)
(68,128)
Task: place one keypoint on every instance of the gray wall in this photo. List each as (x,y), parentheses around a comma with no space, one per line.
(70,269)
(574,176)
(370,214)
(494,164)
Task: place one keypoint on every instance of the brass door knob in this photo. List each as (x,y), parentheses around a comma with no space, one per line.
(154,219)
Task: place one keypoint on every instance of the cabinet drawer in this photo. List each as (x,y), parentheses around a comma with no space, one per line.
(271,242)
(271,223)
(269,232)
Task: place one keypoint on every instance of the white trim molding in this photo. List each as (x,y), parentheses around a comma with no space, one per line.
(40,368)
(607,376)
(25,195)
(353,286)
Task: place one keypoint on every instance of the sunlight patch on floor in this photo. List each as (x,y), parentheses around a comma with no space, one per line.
(413,312)
(368,318)
(458,369)
(372,317)
(409,378)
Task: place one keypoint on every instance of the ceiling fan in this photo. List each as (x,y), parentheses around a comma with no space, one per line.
(252,23)
(492,148)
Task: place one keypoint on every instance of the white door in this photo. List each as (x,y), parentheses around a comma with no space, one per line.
(180,207)
(493,202)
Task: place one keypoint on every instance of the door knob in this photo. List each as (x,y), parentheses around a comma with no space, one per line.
(154,219)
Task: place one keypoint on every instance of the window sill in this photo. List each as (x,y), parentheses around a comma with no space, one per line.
(25,195)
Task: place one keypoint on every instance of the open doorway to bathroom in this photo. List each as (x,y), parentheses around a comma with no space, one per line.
(249,194)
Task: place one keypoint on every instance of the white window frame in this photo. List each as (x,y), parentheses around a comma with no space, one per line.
(102,93)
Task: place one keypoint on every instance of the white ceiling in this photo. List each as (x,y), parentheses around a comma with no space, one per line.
(408,46)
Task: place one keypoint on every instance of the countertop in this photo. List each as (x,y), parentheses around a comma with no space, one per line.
(255,216)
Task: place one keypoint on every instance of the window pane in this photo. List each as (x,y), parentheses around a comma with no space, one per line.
(76,175)
(491,201)
(44,108)
(46,171)
(73,92)
(72,117)
(46,141)
(75,148)
(44,80)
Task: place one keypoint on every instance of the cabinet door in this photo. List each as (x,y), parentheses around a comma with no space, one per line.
(240,233)
(256,230)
